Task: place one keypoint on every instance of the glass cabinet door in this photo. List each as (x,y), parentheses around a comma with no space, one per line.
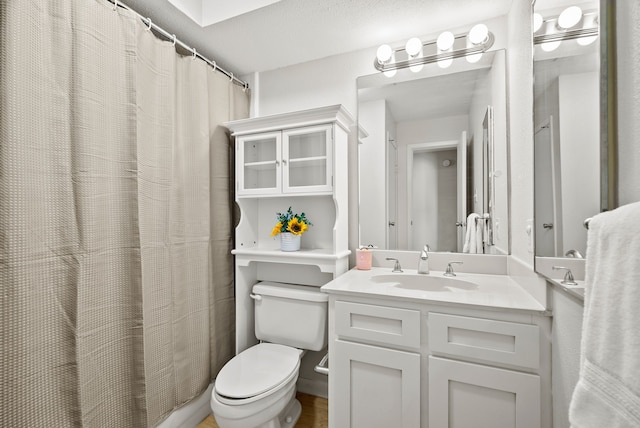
(258,160)
(306,159)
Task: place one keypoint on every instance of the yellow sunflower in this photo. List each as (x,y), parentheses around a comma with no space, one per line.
(276,229)
(297,227)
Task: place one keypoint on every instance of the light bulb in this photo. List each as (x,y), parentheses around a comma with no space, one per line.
(416,68)
(445,41)
(569,17)
(478,34)
(473,58)
(413,47)
(550,46)
(384,54)
(537,22)
(444,63)
(390,73)
(585,41)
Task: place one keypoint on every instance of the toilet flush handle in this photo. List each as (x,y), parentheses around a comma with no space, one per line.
(255,296)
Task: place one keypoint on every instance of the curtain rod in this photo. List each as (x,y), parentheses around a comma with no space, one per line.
(176,41)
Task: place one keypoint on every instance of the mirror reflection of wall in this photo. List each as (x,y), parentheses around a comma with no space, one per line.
(567,135)
(422,168)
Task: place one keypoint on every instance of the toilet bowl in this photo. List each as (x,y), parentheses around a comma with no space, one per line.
(257,387)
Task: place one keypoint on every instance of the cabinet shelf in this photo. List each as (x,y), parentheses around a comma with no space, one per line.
(325,258)
(260,166)
(310,161)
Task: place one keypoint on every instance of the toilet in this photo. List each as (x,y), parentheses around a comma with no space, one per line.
(257,388)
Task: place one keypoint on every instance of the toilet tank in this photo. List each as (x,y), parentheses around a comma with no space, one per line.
(293,315)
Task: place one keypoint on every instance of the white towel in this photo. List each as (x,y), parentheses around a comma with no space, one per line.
(608,389)
(475,234)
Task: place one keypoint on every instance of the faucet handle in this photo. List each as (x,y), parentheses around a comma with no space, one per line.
(396,266)
(568,276)
(449,271)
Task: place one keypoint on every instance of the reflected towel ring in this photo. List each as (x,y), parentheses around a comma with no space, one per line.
(586,223)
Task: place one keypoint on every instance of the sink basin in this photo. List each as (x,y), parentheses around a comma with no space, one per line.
(424,282)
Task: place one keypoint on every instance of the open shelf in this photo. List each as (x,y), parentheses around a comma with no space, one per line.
(325,258)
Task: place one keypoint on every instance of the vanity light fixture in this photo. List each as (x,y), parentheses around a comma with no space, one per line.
(551,31)
(415,54)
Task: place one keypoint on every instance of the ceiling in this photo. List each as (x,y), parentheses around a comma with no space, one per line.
(295,31)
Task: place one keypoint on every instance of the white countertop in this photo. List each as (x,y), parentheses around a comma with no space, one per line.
(493,291)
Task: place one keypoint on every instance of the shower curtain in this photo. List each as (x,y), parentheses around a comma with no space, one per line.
(115,218)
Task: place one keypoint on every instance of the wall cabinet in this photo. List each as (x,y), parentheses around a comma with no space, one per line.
(297,160)
(291,161)
(417,365)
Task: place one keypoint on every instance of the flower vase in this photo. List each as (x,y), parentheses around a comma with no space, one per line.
(289,241)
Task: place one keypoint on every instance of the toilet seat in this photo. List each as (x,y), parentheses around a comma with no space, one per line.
(258,370)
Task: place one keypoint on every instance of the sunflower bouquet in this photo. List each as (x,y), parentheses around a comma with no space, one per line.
(296,224)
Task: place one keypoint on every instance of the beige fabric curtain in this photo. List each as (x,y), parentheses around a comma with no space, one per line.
(115,218)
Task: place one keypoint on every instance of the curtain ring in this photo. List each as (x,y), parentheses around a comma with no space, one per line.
(115,5)
(194,53)
(149,24)
(231,80)
(246,86)
(215,66)
(173,38)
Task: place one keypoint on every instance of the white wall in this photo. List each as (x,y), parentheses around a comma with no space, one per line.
(580,154)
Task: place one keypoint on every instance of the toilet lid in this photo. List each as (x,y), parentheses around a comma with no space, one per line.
(256,370)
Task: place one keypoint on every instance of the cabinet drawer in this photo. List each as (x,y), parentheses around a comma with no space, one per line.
(378,324)
(483,339)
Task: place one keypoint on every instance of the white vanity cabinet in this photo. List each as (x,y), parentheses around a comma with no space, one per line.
(375,366)
(464,394)
(289,161)
(412,364)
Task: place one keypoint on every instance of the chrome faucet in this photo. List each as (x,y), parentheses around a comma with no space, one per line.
(423,262)
(449,271)
(568,276)
(396,266)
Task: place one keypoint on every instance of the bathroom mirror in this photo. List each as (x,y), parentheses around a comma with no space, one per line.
(568,135)
(435,152)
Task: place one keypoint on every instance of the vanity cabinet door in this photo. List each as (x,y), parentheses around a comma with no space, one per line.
(466,395)
(376,387)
